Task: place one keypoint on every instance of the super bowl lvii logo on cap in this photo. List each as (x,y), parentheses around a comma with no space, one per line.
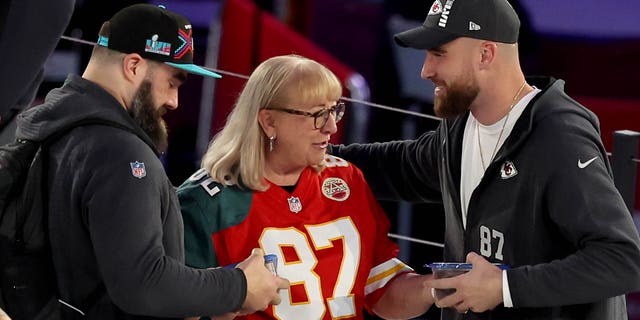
(159,47)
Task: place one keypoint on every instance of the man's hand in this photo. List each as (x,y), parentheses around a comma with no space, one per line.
(406,296)
(262,285)
(478,290)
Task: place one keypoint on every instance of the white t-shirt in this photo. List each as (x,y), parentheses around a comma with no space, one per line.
(472,169)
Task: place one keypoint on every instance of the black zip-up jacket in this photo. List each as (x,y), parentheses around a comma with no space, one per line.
(113,225)
(556,217)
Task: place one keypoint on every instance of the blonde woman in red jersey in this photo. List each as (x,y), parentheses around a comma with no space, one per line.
(266,181)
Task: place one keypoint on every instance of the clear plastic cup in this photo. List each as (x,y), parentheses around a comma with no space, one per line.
(452,269)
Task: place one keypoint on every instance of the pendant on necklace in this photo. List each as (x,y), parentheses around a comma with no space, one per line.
(295,205)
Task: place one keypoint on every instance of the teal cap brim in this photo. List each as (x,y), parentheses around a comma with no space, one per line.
(192,68)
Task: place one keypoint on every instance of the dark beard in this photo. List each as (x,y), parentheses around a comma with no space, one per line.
(149,117)
(457,99)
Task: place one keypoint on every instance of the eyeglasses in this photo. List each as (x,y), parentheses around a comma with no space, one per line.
(319,117)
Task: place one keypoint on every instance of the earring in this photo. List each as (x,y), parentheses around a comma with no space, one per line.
(272,141)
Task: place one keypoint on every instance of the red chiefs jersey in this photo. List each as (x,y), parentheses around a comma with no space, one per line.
(329,235)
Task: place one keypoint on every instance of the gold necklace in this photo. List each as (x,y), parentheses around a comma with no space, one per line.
(504,124)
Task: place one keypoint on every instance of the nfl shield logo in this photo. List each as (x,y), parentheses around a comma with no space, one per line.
(294,204)
(137,169)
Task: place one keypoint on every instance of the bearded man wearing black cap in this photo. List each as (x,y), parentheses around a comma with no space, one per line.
(114,220)
(521,171)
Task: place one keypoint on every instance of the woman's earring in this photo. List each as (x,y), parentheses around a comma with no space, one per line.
(272,141)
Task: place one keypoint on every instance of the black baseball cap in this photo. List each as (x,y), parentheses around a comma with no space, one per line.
(493,20)
(154,33)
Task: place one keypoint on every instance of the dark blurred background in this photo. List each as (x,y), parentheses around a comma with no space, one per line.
(593,45)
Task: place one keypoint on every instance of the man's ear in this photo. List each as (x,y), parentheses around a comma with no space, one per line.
(267,122)
(488,50)
(134,68)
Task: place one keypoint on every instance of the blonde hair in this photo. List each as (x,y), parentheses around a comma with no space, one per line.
(237,153)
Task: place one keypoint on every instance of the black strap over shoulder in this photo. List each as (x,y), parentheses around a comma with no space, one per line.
(43,152)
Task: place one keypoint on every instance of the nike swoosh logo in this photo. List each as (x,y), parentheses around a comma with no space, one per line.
(583,165)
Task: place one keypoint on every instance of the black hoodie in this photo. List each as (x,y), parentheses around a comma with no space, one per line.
(559,221)
(114,215)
